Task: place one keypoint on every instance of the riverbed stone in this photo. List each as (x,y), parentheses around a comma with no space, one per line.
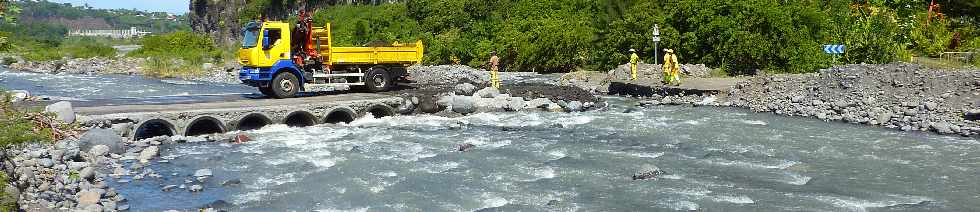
(87,173)
(941,127)
(202,173)
(463,104)
(488,92)
(195,188)
(98,136)
(89,197)
(99,150)
(148,153)
(464,89)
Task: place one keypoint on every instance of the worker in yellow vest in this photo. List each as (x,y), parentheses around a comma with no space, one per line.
(672,68)
(494,70)
(634,60)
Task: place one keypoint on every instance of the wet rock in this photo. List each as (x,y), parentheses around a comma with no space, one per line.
(232,182)
(195,188)
(429,105)
(168,188)
(148,153)
(573,106)
(463,104)
(539,103)
(217,204)
(648,172)
(488,92)
(97,136)
(465,89)
(465,147)
(62,110)
(941,128)
(552,203)
(202,173)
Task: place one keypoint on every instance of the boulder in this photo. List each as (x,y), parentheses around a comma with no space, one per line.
(201,173)
(62,110)
(148,153)
(648,172)
(122,128)
(465,89)
(89,197)
(941,127)
(538,103)
(488,92)
(99,150)
(100,136)
(87,173)
(430,105)
(195,188)
(573,106)
(463,104)
(71,149)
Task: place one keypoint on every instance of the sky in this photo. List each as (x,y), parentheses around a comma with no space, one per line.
(172,6)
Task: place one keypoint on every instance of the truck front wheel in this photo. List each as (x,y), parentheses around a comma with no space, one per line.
(267,91)
(284,85)
(377,80)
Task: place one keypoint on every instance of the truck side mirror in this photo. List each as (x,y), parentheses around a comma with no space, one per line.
(265,43)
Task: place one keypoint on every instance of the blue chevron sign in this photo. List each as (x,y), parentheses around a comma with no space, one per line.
(833,49)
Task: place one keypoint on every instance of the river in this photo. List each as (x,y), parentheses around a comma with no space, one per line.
(716,159)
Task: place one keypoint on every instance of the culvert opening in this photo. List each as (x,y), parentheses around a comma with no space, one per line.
(253,122)
(153,128)
(204,126)
(300,119)
(379,111)
(339,116)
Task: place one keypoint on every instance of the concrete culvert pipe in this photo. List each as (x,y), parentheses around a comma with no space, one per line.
(300,119)
(203,126)
(153,128)
(379,111)
(340,115)
(253,122)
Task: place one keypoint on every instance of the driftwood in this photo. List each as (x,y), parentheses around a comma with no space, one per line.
(59,130)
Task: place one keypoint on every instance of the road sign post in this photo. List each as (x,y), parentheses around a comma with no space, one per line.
(656,40)
(835,50)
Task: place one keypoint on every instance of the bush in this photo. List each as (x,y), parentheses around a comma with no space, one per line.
(178,54)
(7,201)
(86,47)
(15,129)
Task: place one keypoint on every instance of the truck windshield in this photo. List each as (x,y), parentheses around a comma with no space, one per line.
(250,35)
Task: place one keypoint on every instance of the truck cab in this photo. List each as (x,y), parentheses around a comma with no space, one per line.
(282,61)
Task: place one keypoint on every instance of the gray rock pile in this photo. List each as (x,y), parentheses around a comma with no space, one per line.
(458,74)
(899,96)
(655,72)
(124,65)
(464,100)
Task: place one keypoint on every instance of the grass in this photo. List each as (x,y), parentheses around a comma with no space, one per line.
(945,64)
(160,67)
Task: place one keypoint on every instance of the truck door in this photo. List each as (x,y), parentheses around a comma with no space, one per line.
(274,47)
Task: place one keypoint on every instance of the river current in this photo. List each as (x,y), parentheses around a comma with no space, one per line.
(715,159)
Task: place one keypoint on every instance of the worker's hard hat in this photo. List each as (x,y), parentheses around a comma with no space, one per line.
(493,52)
(632,50)
(670,51)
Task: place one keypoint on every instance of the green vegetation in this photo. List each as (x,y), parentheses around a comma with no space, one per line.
(15,126)
(8,203)
(178,54)
(740,37)
(50,12)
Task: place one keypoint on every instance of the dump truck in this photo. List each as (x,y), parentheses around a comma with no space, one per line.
(282,60)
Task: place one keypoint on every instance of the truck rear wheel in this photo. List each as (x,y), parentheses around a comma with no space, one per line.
(377,80)
(284,85)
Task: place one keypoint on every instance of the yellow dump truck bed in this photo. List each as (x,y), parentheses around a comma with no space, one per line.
(406,54)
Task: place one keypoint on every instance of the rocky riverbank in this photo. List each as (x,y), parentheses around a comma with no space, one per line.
(899,96)
(217,73)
